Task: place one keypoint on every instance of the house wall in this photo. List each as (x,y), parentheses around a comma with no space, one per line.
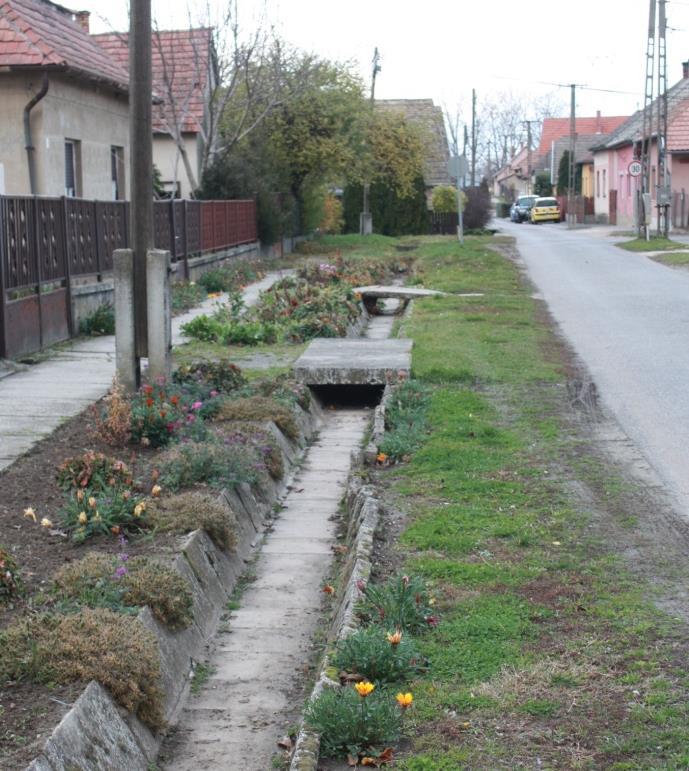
(72,109)
(613,166)
(587,178)
(679,169)
(167,158)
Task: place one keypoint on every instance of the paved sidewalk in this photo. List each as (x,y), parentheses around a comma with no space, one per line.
(36,400)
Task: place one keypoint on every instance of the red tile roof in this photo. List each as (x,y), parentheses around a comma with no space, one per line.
(38,33)
(556,128)
(181,67)
(678,130)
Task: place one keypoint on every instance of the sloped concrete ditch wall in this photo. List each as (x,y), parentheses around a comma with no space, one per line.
(96,734)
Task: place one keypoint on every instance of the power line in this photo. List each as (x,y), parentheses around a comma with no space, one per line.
(568,85)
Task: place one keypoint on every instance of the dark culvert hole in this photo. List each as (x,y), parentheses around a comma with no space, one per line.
(348,396)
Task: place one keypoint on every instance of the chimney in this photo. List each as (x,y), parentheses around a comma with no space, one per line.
(685,70)
(599,123)
(82,19)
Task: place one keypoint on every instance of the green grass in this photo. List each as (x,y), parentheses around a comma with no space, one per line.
(543,629)
(673,258)
(655,244)
(202,672)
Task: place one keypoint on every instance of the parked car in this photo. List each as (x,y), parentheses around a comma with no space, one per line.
(521,208)
(545,210)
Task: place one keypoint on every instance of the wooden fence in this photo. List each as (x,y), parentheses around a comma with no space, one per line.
(46,242)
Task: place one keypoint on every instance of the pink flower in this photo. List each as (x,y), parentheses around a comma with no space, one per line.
(197,405)
(191,418)
(214,393)
(432,620)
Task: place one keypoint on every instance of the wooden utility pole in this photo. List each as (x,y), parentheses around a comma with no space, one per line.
(473,137)
(571,175)
(366,224)
(140,159)
(528,155)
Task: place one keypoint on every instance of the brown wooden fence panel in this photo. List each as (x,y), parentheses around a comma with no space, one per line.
(194,227)
(20,268)
(443,223)
(50,235)
(161,225)
(112,230)
(82,241)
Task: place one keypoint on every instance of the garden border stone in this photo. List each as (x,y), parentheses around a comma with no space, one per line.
(97,734)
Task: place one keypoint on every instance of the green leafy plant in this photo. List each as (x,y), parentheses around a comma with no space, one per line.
(401,603)
(216,464)
(88,512)
(157,412)
(406,419)
(122,584)
(222,376)
(185,295)
(350,724)
(10,582)
(100,321)
(378,655)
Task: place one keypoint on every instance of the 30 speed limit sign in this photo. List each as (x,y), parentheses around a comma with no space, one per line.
(635,168)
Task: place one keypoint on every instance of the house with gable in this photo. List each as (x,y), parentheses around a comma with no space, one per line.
(64,123)
(184,78)
(616,189)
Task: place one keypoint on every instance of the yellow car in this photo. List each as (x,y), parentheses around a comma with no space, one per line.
(545,210)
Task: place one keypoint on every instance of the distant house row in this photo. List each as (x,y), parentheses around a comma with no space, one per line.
(64,124)
(605,147)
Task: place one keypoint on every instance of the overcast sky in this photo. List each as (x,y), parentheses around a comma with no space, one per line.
(443,48)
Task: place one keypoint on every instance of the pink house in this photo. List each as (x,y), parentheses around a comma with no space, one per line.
(615,188)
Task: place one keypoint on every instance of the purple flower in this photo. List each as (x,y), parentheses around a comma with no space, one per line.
(122,541)
(121,571)
(124,557)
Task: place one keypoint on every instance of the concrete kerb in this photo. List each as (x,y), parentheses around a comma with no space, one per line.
(364,515)
(96,734)
(378,430)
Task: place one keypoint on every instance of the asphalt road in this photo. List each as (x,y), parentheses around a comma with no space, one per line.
(627,317)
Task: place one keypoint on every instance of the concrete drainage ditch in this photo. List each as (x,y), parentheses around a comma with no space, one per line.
(238,714)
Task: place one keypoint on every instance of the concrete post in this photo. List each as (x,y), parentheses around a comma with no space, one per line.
(158,312)
(125,352)
(365,223)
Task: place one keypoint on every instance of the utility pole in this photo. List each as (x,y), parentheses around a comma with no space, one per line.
(473,137)
(663,187)
(528,155)
(366,221)
(571,176)
(140,161)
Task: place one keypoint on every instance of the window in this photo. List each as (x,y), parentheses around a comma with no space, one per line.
(605,183)
(598,184)
(72,168)
(117,173)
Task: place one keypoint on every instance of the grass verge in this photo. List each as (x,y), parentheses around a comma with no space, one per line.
(655,244)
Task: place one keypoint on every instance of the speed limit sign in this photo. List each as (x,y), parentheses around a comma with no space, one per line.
(635,168)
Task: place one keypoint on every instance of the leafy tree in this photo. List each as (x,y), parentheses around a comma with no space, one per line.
(542,185)
(563,175)
(393,214)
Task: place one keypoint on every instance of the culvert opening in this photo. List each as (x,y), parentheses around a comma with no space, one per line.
(349,396)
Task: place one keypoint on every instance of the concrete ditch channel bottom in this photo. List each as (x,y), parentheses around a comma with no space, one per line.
(256,660)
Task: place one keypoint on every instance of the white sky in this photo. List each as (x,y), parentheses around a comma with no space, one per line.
(444,48)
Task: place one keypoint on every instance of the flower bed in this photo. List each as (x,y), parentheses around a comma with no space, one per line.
(91,531)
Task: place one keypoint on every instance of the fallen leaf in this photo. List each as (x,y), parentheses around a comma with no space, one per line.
(340,549)
(352,761)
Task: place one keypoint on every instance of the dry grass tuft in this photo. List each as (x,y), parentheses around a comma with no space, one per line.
(260,408)
(190,511)
(100,645)
(113,420)
(92,581)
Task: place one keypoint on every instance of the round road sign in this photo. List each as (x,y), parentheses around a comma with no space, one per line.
(635,168)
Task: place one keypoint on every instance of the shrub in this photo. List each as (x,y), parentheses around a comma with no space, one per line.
(378,655)
(186,295)
(477,207)
(261,443)
(217,465)
(400,603)
(120,583)
(333,219)
(10,582)
(260,408)
(221,376)
(100,321)
(350,724)
(88,512)
(185,512)
(444,199)
(157,412)
(113,419)
(229,277)
(93,470)
(115,650)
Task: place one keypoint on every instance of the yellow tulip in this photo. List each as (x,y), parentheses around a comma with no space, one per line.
(83,518)
(45,522)
(364,688)
(396,638)
(404,699)
(30,513)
